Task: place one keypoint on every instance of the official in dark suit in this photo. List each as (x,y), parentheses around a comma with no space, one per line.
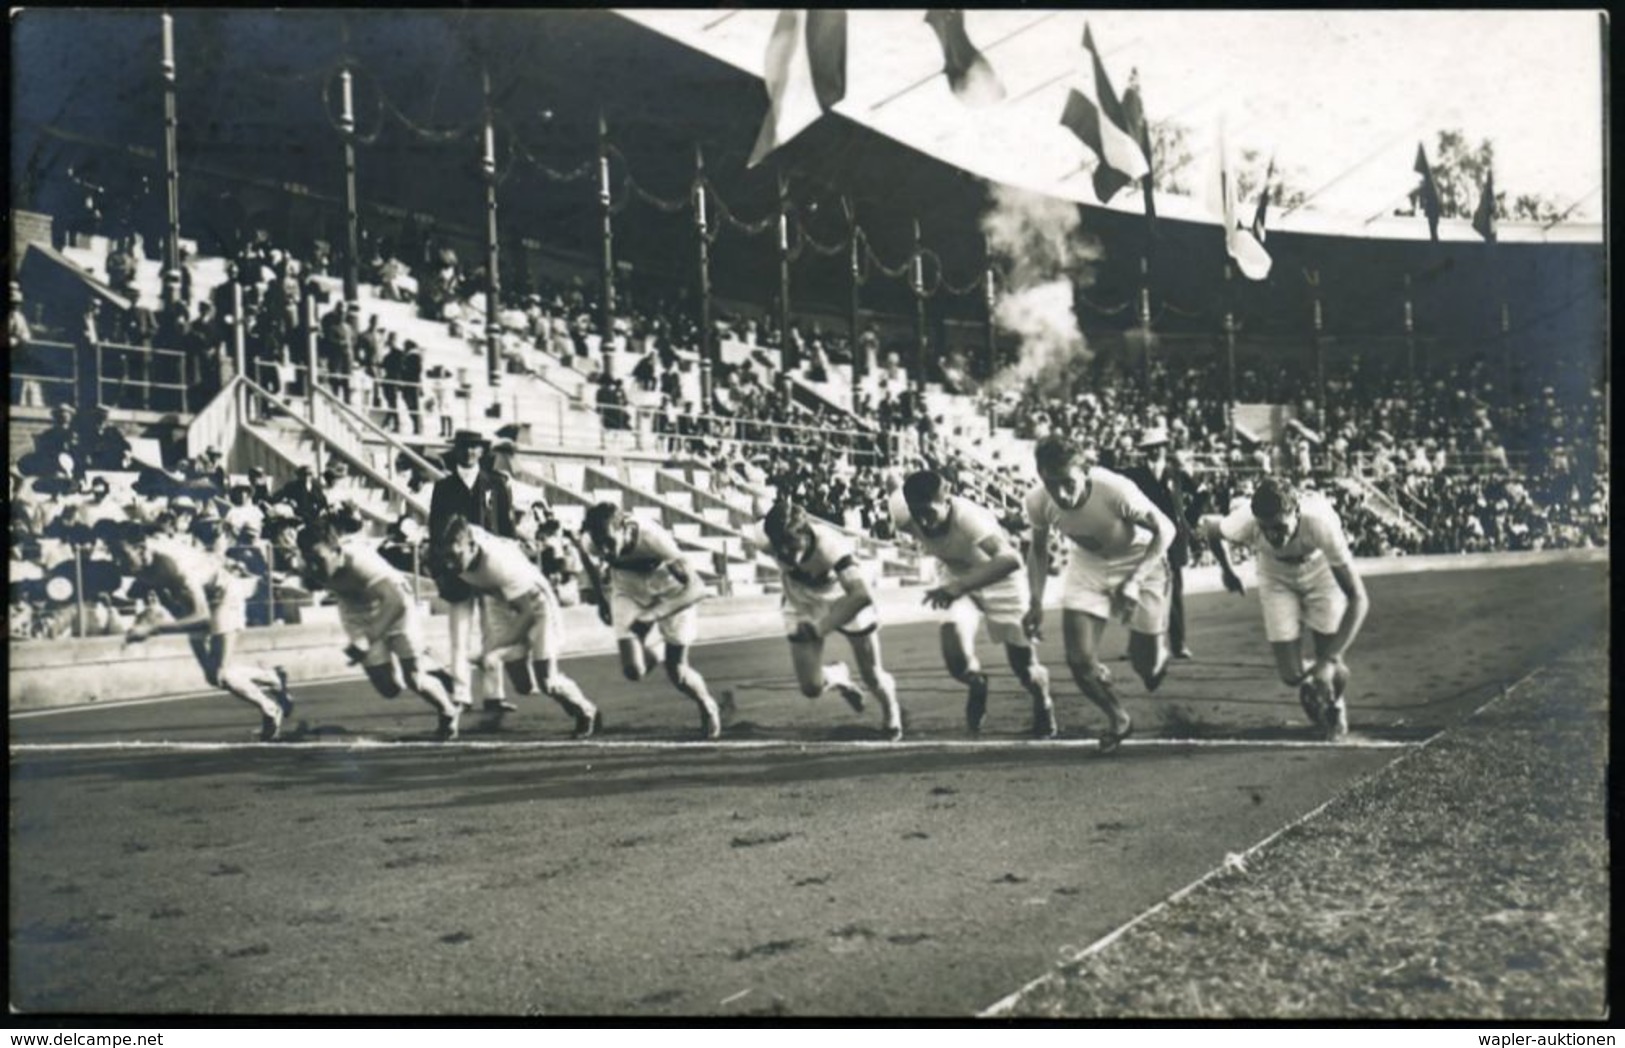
(484,499)
(1171,491)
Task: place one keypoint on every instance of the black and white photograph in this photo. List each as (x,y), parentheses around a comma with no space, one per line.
(752,516)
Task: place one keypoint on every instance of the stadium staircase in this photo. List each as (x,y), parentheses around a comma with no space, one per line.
(1382,505)
(251,426)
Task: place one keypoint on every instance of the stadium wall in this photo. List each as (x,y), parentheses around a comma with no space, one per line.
(96,670)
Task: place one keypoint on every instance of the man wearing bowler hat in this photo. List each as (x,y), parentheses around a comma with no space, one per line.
(1170,490)
(484,499)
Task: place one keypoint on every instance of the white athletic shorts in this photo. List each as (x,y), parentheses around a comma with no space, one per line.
(633,596)
(1089,582)
(1316,599)
(404,638)
(1001,606)
(537,625)
(803,604)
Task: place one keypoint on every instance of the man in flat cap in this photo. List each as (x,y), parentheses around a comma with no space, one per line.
(484,499)
(1170,490)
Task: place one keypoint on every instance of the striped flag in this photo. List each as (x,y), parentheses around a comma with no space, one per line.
(1134,111)
(1263,203)
(1429,191)
(805,72)
(970,75)
(1484,217)
(1101,125)
(1239,242)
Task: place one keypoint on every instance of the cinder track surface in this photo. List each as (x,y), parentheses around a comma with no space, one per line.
(796,867)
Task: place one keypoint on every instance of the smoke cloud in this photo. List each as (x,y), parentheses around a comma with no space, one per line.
(1044,253)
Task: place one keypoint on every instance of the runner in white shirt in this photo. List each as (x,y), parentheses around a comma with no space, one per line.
(1117,569)
(980,576)
(1306,575)
(384,625)
(650,585)
(207,596)
(825,592)
(525,626)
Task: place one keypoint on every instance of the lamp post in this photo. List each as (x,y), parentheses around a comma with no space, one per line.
(606,278)
(1320,356)
(1229,350)
(860,358)
(352,225)
(789,358)
(702,238)
(493,291)
(172,174)
(917,283)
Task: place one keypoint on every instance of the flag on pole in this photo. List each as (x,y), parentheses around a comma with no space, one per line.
(805,72)
(1239,242)
(970,75)
(1263,204)
(1429,191)
(1134,112)
(1100,124)
(1484,217)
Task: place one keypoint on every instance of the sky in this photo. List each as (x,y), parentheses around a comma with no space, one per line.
(1340,98)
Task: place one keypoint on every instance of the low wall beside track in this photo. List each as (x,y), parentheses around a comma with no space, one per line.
(56,673)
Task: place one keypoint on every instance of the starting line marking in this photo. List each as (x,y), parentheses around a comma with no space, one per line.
(826,746)
(1233,861)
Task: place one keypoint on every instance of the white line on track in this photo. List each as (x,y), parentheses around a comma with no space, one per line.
(351,677)
(1006,1003)
(814,746)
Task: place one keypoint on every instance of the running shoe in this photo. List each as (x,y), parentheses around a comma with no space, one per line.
(1112,739)
(587,724)
(1044,721)
(1309,702)
(976,703)
(710,721)
(284,701)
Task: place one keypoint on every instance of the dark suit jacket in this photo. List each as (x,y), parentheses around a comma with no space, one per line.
(488,505)
(1162,495)
(308,496)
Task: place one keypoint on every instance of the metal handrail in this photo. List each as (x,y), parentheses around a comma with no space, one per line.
(377,432)
(358,460)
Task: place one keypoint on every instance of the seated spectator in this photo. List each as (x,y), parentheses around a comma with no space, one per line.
(104,446)
(305,493)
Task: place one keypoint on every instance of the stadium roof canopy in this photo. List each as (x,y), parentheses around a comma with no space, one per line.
(1340,99)
(258,101)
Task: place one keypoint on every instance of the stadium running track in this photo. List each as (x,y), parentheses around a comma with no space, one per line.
(797,867)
